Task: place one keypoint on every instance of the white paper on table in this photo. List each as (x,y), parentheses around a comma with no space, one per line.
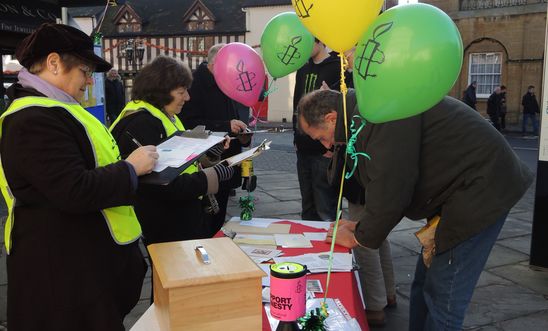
(316,236)
(292,241)
(177,150)
(255,223)
(266,269)
(254,239)
(313,224)
(260,252)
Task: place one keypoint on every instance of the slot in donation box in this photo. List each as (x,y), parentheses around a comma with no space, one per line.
(207,284)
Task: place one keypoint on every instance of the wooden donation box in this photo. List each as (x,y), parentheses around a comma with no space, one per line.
(222,293)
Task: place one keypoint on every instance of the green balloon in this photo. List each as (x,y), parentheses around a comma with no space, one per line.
(286,44)
(406,62)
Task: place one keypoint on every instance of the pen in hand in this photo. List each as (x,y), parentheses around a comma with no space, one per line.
(135,141)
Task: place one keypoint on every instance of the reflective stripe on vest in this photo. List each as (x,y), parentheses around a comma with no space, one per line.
(170,127)
(122,222)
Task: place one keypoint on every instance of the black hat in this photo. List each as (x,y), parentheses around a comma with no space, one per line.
(58,38)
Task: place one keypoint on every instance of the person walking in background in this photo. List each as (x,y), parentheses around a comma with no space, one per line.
(469,97)
(74,261)
(115,97)
(493,108)
(209,106)
(530,110)
(319,200)
(502,100)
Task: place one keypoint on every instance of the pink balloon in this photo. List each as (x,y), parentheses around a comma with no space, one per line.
(239,73)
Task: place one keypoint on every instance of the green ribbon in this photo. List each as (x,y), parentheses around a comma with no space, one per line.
(247,205)
(351,149)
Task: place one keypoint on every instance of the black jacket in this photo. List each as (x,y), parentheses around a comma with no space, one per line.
(494,104)
(447,161)
(309,78)
(209,106)
(171,212)
(115,99)
(529,103)
(65,268)
(470,96)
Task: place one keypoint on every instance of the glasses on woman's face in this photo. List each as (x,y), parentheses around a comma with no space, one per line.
(86,70)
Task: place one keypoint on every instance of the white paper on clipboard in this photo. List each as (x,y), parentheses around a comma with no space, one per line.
(249,154)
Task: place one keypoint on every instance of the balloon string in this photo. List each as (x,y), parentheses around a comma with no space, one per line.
(344,90)
(255,118)
(351,148)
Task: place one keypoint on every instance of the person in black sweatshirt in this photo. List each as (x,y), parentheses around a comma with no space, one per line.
(209,106)
(319,201)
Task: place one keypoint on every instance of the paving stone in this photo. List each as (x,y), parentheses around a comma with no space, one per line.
(136,313)
(146,289)
(3,270)
(404,290)
(397,318)
(525,216)
(496,303)
(484,328)
(521,244)
(271,210)
(406,238)
(282,185)
(3,302)
(487,278)
(533,322)
(285,195)
(277,178)
(514,228)
(501,255)
(524,276)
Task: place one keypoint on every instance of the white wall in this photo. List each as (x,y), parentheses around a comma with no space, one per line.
(280,102)
(85,24)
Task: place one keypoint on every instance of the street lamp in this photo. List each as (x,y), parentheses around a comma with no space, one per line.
(134,52)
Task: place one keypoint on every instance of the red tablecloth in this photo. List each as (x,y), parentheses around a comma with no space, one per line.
(343,284)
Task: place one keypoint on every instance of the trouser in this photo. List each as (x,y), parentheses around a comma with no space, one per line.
(376,271)
(495,119)
(503,121)
(533,118)
(440,294)
(319,200)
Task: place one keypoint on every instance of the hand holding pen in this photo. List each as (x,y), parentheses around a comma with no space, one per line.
(143,158)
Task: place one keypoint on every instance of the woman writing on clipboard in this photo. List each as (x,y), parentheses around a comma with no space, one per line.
(175,211)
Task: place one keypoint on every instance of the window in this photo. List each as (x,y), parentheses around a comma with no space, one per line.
(485,69)
(128,23)
(200,44)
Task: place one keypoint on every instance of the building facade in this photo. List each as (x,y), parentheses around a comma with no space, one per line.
(503,45)
(135,32)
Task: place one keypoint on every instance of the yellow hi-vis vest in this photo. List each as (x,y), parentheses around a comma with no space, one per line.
(170,127)
(122,221)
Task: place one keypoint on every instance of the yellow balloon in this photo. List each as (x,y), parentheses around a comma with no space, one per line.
(337,23)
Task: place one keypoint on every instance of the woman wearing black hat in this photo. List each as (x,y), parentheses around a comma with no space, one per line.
(71,234)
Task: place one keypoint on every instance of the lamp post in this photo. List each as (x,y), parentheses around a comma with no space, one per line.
(134,52)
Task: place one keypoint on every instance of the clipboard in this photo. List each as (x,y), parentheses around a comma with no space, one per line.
(168,174)
(249,154)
